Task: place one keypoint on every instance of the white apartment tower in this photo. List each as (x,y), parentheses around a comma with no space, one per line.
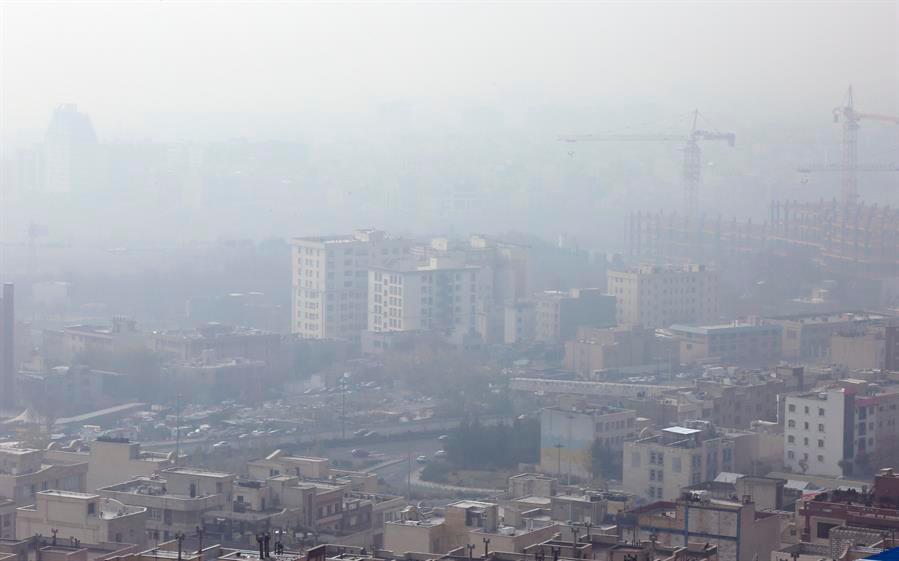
(330,281)
(815,435)
(442,295)
(654,296)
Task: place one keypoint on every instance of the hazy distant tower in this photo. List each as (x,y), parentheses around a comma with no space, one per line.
(7,348)
(70,151)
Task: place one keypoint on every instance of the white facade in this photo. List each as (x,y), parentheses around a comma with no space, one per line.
(330,281)
(814,432)
(440,296)
(654,296)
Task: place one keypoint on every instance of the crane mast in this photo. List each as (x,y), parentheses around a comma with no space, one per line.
(850,166)
(692,163)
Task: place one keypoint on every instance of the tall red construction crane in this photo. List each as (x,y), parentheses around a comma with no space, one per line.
(692,173)
(850,166)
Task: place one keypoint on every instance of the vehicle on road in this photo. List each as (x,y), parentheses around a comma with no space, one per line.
(440,454)
(422,459)
(360,453)
(443,437)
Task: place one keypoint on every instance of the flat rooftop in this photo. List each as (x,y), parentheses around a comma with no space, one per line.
(198,472)
(681,431)
(723,328)
(69,494)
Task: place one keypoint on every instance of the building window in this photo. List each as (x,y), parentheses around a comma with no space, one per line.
(820,411)
(820,427)
(791,423)
(791,439)
(820,443)
(820,458)
(790,454)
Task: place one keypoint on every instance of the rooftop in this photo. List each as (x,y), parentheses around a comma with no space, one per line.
(198,472)
(734,327)
(69,494)
(683,431)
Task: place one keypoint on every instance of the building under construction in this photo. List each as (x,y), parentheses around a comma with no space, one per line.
(858,238)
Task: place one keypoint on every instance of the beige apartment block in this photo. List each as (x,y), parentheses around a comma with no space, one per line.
(740,532)
(87,517)
(176,499)
(25,472)
(659,466)
(330,281)
(654,296)
(113,460)
(443,295)
(461,524)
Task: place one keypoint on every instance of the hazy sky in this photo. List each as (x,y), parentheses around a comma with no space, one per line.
(127,62)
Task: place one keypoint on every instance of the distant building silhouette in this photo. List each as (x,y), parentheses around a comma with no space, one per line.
(7,349)
(70,151)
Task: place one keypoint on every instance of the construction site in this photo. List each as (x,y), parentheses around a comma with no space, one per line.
(852,242)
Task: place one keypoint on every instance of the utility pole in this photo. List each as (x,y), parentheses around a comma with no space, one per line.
(180,537)
(200,533)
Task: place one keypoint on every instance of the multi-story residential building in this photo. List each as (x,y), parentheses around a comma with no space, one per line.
(859,349)
(86,517)
(891,348)
(461,524)
(740,532)
(532,484)
(443,295)
(874,509)
(559,314)
(330,281)
(659,466)
(757,343)
(176,499)
(67,343)
(520,323)
(654,296)
(741,398)
(818,431)
(25,472)
(217,341)
(112,460)
(579,508)
(807,337)
(595,349)
(567,436)
(505,277)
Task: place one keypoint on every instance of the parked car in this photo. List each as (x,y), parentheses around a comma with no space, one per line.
(422,459)
(360,453)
